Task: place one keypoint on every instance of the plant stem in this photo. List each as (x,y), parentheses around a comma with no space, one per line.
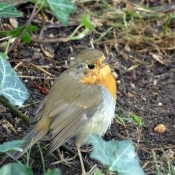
(8,44)
(42,158)
(14,110)
(25,28)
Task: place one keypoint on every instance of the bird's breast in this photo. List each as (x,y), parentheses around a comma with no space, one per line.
(101,120)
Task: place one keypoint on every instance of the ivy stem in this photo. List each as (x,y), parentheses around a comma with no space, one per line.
(14,110)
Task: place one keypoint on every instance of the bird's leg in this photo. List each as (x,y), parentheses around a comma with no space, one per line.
(82,164)
(86,150)
(81,159)
(62,159)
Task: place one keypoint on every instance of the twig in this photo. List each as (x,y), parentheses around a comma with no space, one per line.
(41,69)
(26,26)
(43,25)
(14,110)
(33,77)
(50,40)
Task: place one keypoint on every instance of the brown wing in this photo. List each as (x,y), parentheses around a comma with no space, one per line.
(69,105)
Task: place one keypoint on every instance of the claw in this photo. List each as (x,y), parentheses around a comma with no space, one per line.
(64,160)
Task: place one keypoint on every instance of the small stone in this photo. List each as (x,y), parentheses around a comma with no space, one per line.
(170,153)
(13,22)
(160,128)
(130,95)
(160,104)
(127,48)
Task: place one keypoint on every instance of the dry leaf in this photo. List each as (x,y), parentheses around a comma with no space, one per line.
(158,58)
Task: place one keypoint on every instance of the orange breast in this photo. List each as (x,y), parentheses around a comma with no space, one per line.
(109,83)
(101,76)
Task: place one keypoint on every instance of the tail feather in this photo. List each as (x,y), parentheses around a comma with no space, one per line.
(31,138)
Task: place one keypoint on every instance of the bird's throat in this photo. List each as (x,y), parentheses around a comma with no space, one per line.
(102,77)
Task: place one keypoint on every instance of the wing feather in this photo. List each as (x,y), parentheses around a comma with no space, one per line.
(69,108)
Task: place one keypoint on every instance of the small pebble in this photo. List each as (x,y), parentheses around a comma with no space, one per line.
(160,128)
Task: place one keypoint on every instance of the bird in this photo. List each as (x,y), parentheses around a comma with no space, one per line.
(80,102)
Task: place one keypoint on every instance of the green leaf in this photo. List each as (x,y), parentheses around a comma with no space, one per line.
(98,172)
(53,172)
(167,23)
(118,156)
(8,11)
(11,85)
(42,3)
(4,55)
(15,169)
(137,119)
(86,22)
(11,146)
(26,36)
(61,9)
(87,28)
(16,32)
(4,33)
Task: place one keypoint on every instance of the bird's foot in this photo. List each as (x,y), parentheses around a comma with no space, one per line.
(91,172)
(63,160)
(87,150)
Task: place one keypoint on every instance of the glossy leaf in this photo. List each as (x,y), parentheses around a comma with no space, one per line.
(11,85)
(15,169)
(11,146)
(62,9)
(117,156)
(8,11)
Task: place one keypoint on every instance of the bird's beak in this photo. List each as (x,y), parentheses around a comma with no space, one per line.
(107,61)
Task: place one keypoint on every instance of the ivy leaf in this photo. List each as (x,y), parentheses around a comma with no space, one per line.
(11,85)
(15,169)
(118,156)
(61,9)
(11,146)
(8,11)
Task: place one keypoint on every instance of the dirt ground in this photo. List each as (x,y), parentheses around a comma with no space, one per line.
(147,91)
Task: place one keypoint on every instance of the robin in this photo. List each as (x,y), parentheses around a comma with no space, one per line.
(80,102)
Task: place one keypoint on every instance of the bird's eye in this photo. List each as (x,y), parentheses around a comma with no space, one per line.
(91,66)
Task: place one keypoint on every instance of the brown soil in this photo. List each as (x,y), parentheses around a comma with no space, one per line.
(147,91)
